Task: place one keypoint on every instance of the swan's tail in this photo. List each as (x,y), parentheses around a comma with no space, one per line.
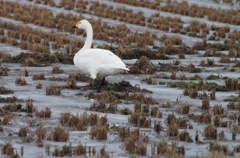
(124,68)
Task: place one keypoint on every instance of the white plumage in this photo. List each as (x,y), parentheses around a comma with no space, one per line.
(96,62)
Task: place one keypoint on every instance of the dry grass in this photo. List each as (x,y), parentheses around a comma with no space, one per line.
(206,103)
(99,132)
(142,66)
(218,110)
(29,106)
(23,131)
(30,62)
(20,81)
(231,83)
(57,70)
(80,150)
(4,54)
(58,134)
(41,133)
(43,113)
(25,72)
(184,136)
(8,149)
(4,90)
(39,85)
(162,147)
(157,127)
(40,76)
(172,130)
(210,132)
(53,90)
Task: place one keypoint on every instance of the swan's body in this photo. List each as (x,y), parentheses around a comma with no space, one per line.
(96,62)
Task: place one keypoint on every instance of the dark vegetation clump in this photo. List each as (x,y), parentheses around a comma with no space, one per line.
(3,70)
(40,76)
(122,86)
(59,134)
(43,113)
(20,81)
(142,66)
(57,70)
(136,53)
(12,107)
(8,149)
(4,90)
(53,90)
(11,99)
(40,59)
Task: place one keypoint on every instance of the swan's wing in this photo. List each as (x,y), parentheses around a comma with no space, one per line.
(102,56)
(100,62)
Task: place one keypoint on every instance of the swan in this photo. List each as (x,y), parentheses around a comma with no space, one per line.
(97,63)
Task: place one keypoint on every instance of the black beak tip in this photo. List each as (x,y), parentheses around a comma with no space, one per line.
(74,26)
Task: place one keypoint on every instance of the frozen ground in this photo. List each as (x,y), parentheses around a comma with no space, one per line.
(68,101)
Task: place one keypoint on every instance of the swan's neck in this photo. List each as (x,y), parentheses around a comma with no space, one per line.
(87,44)
(89,38)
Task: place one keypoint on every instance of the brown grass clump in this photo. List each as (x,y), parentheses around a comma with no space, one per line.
(4,54)
(4,90)
(125,111)
(23,131)
(172,130)
(218,110)
(221,136)
(23,45)
(43,113)
(41,133)
(78,122)
(39,85)
(214,146)
(149,81)
(20,81)
(53,90)
(184,110)
(29,106)
(57,70)
(130,142)
(80,150)
(30,62)
(210,132)
(184,136)
(6,119)
(216,121)
(181,56)
(231,83)
(206,103)
(99,132)
(233,106)
(154,111)
(142,66)
(141,149)
(157,127)
(25,72)
(162,147)
(205,118)
(103,153)
(58,134)
(123,132)
(40,76)
(8,149)
(11,99)
(213,94)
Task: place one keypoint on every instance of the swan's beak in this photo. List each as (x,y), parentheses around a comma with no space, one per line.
(75,26)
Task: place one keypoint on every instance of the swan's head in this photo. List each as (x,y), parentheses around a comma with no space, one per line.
(82,24)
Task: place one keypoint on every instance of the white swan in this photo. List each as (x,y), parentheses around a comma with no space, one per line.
(96,62)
